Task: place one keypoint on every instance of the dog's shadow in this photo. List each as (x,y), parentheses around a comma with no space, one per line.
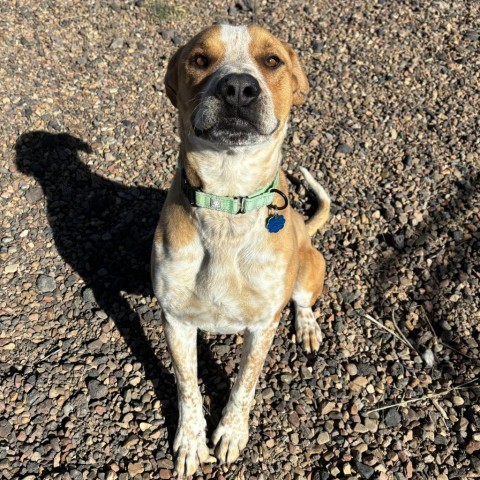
(104,231)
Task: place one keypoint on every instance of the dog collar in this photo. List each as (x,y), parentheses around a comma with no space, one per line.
(232,205)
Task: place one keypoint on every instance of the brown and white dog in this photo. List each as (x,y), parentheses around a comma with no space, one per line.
(222,271)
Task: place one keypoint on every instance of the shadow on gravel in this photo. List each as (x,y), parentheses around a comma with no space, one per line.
(104,230)
(455,260)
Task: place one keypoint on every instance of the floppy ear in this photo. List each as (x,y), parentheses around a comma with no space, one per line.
(299,79)
(171,77)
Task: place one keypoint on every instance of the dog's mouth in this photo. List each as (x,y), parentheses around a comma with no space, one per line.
(233,131)
(230,124)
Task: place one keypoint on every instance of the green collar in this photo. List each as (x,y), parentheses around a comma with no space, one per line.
(233,205)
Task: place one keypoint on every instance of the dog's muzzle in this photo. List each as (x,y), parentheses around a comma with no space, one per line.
(235,111)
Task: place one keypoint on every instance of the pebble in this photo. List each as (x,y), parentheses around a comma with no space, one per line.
(166,464)
(327,408)
(323,437)
(294,419)
(46,283)
(97,390)
(34,194)
(472,447)
(371,424)
(135,468)
(392,418)
(268,393)
(131,441)
(344,148)
(12,268)
(365,471)
(360,428)
(5,428)
(352,369)
(117,43)
(144,426)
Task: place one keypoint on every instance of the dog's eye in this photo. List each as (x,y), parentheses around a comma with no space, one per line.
(200,61)
(272,61)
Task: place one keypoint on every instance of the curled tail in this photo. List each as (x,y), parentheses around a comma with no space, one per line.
(320,217)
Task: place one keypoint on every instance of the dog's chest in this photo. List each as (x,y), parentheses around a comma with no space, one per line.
(228,278)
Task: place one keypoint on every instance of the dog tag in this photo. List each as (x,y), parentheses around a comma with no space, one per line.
(275,223)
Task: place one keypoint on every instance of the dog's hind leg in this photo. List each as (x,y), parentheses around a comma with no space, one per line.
(308,287)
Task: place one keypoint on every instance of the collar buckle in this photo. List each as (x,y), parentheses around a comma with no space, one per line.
(241,208)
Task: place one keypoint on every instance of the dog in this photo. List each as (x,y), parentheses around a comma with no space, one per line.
(229,252)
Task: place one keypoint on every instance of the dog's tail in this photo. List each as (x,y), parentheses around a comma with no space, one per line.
(320,217)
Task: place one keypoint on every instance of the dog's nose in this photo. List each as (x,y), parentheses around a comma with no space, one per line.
(238,89)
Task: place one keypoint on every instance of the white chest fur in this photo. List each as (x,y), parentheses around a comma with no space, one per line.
(224,280)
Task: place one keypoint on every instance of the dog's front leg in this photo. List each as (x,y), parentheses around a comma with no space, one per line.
(231,435)
(190,442)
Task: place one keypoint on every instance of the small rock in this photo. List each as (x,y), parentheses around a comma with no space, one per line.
(168,34)
(361,428)
(344,149)
(361,381)
(392,418)
(34,194)
(135,469)
(428,357)
(445,325)
(294,420)
(286,378)
(268,393)
(352,369)
(12,268)
(46,283)
(97,390)
(458,401)
(317,46)
(117,43)
(323,437)
(472,35)
(130,441)
(364,470)
(472,447)
(5,428)
(326,409)
(371,424)
(144,426)
(88,295)
(165,463)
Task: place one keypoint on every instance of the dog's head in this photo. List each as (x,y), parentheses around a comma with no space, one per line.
(235,86)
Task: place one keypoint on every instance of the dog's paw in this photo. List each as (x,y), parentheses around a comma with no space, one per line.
(231,436)
(307,328)
(190,448)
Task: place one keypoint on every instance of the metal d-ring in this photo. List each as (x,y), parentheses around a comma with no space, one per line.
(285,199)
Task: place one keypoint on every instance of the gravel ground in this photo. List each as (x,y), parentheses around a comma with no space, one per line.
(390,129)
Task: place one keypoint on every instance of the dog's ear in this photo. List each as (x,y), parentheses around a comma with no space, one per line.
(171,77)
(299,81)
